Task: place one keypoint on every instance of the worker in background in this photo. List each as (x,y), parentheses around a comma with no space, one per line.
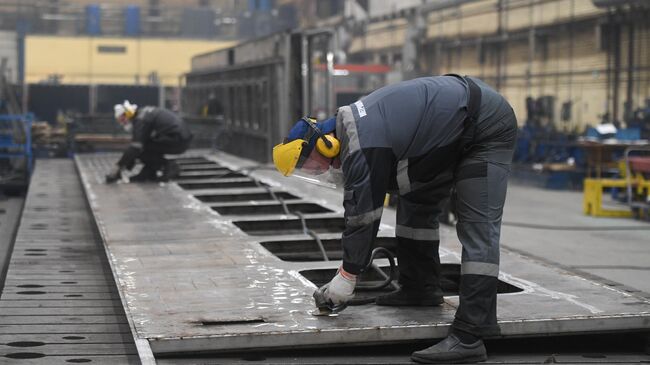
(419,137)
(212,106)
(156,132)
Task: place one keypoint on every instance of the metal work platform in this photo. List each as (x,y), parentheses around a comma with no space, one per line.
(59,303)
(202,269)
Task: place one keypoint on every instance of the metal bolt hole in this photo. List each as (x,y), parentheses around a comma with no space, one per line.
(78,360)
(68,282)
(31,292)
(25,355)
(29,286)
(26,344)
(73,338)
(73,295)
(35,249)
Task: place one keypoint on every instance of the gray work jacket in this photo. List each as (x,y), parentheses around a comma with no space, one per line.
(384,132)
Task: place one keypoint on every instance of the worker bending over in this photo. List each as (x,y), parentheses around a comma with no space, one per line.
(419,137)
(156,132)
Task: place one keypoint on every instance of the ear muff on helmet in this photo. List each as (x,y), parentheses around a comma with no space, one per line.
(328,146)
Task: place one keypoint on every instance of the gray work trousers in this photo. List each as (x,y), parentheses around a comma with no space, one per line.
(479,173)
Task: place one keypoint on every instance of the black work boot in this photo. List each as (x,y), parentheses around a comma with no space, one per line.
(404,297)
(451,351)
(146,174)
(113,177)
(170,170)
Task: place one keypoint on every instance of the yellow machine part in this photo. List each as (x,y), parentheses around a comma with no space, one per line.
(593,195)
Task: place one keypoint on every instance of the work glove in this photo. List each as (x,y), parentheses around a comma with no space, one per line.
(114,175)
(341,289)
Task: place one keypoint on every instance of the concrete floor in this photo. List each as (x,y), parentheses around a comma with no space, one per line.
(617,249)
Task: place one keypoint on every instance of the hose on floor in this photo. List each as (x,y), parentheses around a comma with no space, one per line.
(388,278)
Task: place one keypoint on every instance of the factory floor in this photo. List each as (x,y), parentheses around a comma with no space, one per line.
(550,225)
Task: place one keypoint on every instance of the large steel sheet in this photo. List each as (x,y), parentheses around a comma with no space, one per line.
(193,281)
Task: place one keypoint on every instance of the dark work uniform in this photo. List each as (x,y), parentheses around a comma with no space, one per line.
(156,132)
(414,137)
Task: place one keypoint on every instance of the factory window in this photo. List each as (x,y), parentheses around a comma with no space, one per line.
(111,49)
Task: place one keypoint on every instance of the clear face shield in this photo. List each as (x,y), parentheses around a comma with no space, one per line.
(316,162)
(321,170)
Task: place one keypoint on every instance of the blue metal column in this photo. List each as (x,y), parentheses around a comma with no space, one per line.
(132,21)
(93,19)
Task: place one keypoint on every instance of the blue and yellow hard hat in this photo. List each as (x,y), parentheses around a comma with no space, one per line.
(300,141)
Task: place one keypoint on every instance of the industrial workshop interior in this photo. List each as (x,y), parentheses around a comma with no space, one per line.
(324,181)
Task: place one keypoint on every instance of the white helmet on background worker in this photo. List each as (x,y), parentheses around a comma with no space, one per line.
(125,109)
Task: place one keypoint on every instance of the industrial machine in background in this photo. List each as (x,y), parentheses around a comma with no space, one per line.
(607,161)
(15,152)
(252,92)
(629,191)
(637,178)
(15,139)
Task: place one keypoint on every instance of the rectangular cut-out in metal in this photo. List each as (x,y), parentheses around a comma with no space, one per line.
(213,271)
(215,184)
(308,250)
(221,198)
(271,208)
(192,161)
(277,227)
(201,167)
(449,279)
(208,174)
